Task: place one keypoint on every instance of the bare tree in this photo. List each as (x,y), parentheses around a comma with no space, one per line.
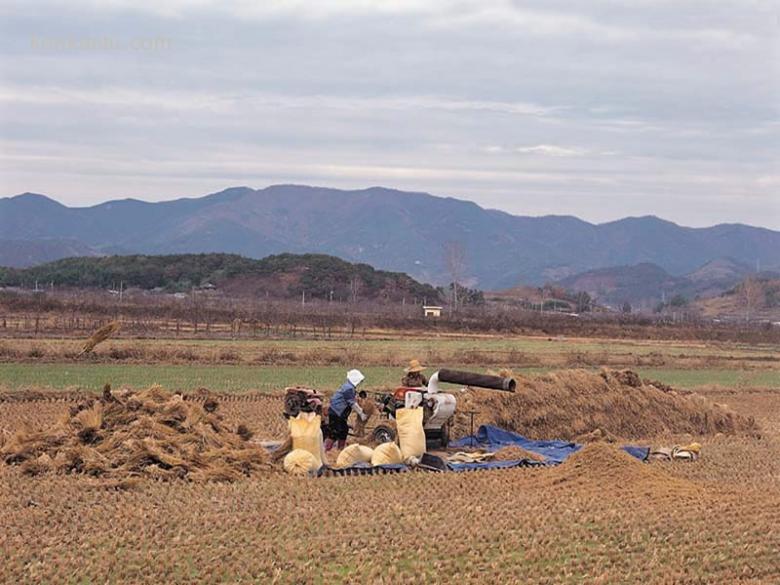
(750,295)
(455,264)
(355,284)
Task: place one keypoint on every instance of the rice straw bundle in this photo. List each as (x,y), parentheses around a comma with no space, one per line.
(99,336)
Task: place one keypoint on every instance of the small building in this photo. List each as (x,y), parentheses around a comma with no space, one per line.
(432,310)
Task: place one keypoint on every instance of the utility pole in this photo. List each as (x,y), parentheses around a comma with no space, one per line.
(303,298)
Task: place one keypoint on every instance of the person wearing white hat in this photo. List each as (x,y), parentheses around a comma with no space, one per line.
(342,404)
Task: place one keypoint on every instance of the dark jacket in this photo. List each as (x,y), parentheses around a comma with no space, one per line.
(414,380)
(343,400)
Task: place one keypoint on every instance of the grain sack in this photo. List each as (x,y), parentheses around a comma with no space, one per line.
(411,434)
(387,454)
(300,462)
(354,454)
(306,434)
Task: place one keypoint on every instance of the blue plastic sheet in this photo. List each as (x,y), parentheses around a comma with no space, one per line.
(493,438)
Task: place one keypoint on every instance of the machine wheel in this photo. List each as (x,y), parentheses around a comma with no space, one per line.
(383,434)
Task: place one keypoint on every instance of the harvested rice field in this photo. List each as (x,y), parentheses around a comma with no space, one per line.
(242,378)
(601,517)
(267,364)
(481,350)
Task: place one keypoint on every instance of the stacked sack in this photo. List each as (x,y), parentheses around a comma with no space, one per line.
(307,455)
(307,445)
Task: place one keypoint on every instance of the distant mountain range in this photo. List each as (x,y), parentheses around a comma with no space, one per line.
(22,253)
(389,229)
(756,297)
(645,285)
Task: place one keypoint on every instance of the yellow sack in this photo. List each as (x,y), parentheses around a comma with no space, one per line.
(300,462)
(386,454)
(411,434)
(306,434)
(354,454)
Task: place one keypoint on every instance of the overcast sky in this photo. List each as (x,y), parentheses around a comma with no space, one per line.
(597,109)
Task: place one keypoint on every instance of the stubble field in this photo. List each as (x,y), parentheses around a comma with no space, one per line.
(601,519)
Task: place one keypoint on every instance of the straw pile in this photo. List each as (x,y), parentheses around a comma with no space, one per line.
(151,433)
(609,468)
(99,336)
(569,404)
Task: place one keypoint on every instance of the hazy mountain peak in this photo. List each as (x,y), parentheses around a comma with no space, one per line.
(390,229)
(32,198)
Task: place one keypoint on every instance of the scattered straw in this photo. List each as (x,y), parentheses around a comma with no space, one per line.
(513,452)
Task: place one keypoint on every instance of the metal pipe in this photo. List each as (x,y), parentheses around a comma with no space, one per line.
(478,380)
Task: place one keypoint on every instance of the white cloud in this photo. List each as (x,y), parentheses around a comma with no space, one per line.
(550,150)
(597,108)
(214,100)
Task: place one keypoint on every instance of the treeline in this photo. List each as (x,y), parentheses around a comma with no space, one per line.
(204,316)
(170,272)
(282,275)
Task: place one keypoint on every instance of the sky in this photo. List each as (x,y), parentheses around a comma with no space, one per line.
(600,109)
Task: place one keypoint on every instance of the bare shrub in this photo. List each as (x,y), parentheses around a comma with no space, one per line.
(8,352)
(36,352)
(186,354)
(229,355)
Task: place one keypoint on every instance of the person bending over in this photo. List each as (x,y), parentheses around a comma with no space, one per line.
(341,405)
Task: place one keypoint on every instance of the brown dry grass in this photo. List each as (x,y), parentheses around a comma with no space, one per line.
(516,351)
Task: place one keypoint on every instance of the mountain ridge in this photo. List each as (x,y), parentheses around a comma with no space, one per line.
(388,228)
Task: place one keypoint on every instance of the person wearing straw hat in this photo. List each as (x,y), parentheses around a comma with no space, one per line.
(414,377)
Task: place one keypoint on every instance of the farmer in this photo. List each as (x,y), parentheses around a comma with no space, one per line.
(414,377)
(341,405)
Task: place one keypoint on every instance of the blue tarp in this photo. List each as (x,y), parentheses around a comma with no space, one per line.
(493,438)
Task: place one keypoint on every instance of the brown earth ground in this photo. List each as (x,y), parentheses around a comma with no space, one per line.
(600,518)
